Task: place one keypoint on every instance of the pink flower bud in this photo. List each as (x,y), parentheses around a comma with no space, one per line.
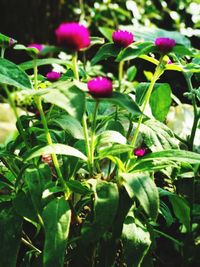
(100,87)
(165,45)
(53,76)
(73,35)
(139,152)
(122,38)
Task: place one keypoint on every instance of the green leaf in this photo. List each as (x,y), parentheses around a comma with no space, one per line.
(105,51)
(181,50)
(181,210)
(10,235)
(173,154)
(157,136)
(59,149)
(136,242)
(108,137)
(124,101)
(134,51)
(107,32)
(78,187)
(69,124)
(41,62)
(131,73)
(141,186)
(56,217)
(96,40)
(105,207)
(68,97)
(160,101)
(24,206)
(11,74)
(113,150)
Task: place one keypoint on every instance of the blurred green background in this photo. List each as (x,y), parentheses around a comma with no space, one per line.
(35,21)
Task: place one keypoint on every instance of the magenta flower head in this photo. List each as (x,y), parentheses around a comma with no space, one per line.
(73,35)
(165,45)
(53,76)
(39,47)
(122,38)
(139,152)
(100,87)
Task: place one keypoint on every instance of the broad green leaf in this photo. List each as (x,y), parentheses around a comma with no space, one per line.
(131,73)
(124,101)
(56,217)
(67,97)
(150,34)
(11,74)
(107,32)
(6,41)
(10,235)
(24,206)
(36,178)
(108,137)
(41,62)
(105,51)
(141,186)
(105,207)
(136,242)
(59,149)
(181,210)
(157,136)
(140,92)
(79,187)
(115,126)
(134,51)
(160,101)
(68,124)
(181,50)
(166,213)
(114,150)
(173,154)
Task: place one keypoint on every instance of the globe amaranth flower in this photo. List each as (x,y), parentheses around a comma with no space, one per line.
(39,47)
(122,38)
(139,152)
(73,36)
(53,76)
(165,45)
(100,87)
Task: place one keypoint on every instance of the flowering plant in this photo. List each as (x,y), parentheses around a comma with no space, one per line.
(93,167)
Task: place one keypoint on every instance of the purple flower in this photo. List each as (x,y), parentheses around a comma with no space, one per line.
(39,47)
(100,87)
(53,76)
(169,61)
(73,35)
(122,38)
(165,45)
(11,42)
(139,152)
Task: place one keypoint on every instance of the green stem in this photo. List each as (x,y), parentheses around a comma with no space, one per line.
(14,108)
(120,73)
(35,70)
(31,246)
(196,113)
(2,51)
(87,142)
(158,72)
(75,65)
(92,145)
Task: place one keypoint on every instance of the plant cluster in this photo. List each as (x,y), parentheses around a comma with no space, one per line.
(94,170)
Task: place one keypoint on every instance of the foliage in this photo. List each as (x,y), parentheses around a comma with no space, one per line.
(70,173)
